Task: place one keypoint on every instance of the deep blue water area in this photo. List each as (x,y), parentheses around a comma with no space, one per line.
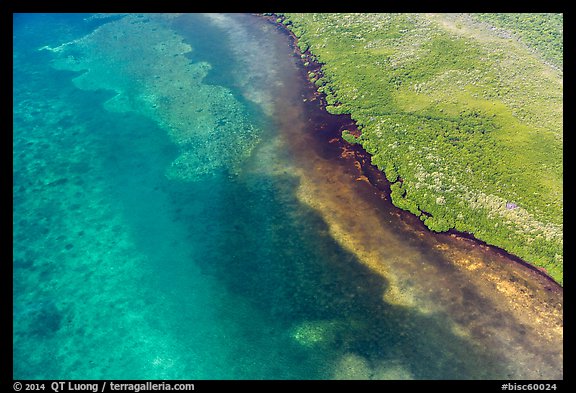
(120,272)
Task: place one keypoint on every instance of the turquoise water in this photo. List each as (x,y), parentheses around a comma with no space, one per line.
(157,229)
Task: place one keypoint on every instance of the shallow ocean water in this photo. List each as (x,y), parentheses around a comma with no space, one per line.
(173,219)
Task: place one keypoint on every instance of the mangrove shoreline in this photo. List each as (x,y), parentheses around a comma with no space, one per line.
(373,175)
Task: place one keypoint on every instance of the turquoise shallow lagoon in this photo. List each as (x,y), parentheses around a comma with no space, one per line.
(159,228)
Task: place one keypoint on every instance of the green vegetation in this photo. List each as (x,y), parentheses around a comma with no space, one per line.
(542,32)
(348,137)
(464,120)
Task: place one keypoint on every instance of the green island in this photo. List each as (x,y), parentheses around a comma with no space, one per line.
(462,112)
